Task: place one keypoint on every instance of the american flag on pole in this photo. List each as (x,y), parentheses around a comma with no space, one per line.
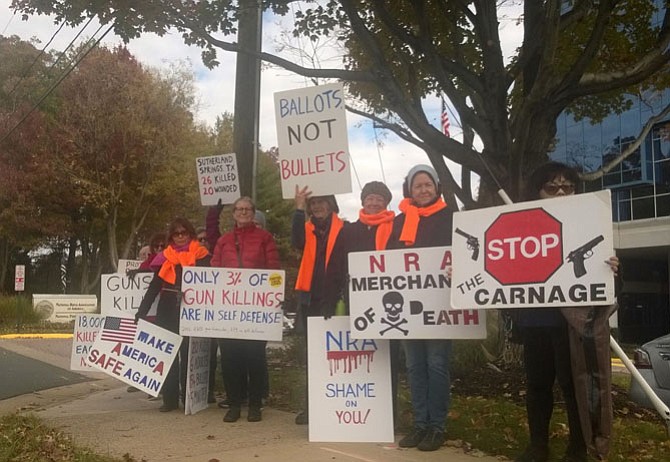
(120,330)
(445,119)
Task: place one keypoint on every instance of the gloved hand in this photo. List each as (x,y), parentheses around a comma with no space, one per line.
(138,316)
(131,273)
(327,309)
(219,205)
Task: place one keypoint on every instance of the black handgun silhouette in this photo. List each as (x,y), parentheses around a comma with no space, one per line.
(473,243)
(580,254)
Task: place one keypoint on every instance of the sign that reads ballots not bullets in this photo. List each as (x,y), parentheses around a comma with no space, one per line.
(549,252)
(218,179)
(312,139)
(232,303)
(404,294)
(349,384)
(138,354)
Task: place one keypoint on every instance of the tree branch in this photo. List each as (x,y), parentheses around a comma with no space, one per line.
(634,146)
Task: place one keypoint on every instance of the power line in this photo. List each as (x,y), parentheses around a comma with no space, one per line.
(25,73)
(8,23)
(55,85)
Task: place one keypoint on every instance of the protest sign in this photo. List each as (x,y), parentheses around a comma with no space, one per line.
(197,376)
(86,328)
(218,179)
(404,294)
(63,308)
(232,303)
(349,384)
(138,354)
(126,265)
(121,295)
(549,252)
(312,139)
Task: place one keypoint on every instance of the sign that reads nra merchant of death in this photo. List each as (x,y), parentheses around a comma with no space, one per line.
(549,252)
(138,354)
(312,139)
(404,294)
(232,303)
(349,384)
(218,179)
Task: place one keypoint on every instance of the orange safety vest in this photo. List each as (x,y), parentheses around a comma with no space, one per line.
(306,271)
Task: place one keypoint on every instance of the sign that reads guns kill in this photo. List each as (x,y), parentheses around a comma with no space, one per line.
(232,303)
(549,252)
(138,354)
(312,138)
(404,294)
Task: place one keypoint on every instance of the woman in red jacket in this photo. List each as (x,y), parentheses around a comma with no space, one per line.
(243,361)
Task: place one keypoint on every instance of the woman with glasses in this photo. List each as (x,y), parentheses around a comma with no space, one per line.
(568,345)
(243,361)
(183,250)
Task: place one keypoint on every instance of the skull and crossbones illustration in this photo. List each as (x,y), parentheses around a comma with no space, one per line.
(393,305)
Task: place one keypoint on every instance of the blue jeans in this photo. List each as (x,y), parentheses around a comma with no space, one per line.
(429,381)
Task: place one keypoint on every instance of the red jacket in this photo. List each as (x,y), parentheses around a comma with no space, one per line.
(256,248)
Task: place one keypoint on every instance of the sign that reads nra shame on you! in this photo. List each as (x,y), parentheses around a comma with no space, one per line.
(549,252)
(312,138)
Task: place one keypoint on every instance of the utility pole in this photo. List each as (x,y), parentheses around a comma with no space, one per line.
(247,93)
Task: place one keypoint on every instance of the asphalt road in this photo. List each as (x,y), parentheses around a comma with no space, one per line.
(21,375)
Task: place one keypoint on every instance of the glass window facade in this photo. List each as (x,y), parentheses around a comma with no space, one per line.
(640,184)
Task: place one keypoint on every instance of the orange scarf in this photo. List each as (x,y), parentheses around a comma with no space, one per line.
(412,216)
(168,272)
(306,271)
(384,222)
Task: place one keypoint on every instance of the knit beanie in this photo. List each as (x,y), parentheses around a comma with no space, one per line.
(259,219)
(420,168)
(376,187)
(330,199)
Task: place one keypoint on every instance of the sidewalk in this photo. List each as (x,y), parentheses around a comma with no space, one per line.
(100,414)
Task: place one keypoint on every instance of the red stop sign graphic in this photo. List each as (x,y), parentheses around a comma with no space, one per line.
(523,247)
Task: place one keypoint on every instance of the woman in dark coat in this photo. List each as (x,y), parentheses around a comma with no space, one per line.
(183,250)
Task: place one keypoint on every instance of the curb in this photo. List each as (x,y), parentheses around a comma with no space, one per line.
(34,335)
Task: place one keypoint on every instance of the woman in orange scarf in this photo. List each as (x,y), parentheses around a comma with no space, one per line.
(425,221)
(183,250)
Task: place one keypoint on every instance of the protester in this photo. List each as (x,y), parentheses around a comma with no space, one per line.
(425,221)
(370,232)
(314,231)
(183,250)
(243,361)
(568,345)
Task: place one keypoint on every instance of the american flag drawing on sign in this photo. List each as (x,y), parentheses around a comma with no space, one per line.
(445,119)
(118,330)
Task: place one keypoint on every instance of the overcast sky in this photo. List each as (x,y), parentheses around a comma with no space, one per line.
(215,95)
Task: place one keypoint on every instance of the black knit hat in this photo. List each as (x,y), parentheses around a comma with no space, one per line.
(330,199)
(376,187)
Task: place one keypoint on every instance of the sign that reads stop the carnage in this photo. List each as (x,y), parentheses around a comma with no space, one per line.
(232,303)
(218,179)
(312,139)
(549,252)
(404,294)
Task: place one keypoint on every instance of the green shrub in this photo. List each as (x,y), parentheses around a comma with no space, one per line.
(16,310)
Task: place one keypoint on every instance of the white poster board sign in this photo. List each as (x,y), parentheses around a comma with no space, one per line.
(121,295)
(197,376)
(63,308)
(232,303)
(138,354)
(349,384)
(218,179)
(126,265)
(312,139)
(404,294)
(549,252)
(86,329)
